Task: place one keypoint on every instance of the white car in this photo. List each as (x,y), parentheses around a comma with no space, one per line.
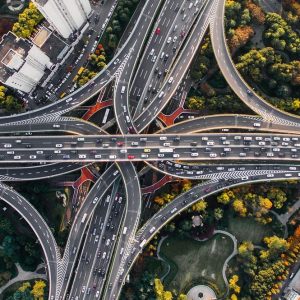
(82,156)
(213,154)
(169,40)
(7,145)
(95,200)
(17,157)
(32,156)
(195,154)
(112,157)
(97,294)
(58,145)
(270,175)
(176,155)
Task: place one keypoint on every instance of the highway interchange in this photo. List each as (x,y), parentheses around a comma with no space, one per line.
(112,209)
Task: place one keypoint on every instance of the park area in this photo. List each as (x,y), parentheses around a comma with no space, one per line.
(247,229)
(195,262)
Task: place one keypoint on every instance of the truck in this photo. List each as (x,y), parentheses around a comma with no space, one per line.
(83,218)
(142,244)
(166,150)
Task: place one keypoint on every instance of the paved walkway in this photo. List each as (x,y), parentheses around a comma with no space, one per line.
(234,252)
(23,276)
(160,258)
(201,292)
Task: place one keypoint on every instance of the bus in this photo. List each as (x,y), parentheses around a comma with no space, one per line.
(83,218)
(105,116)
(166,150)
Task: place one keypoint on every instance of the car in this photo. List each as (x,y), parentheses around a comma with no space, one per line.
(97,294)
(82,156)
(57,146)
(249,93)
(112,156)
(154,58)
(170,81)
(7,145)
(212,154)
(32,156)
(176,155)
(147,150)
(160,155)
(97,238)
(174,39)
(144,155)
(270,175)
(131,157)
(83,289)
(56,126)
(95,200)
(157,31)
(194,154)
(169,40)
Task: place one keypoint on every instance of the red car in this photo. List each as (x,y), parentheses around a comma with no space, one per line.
(130,156)
(120,144)
(157,31)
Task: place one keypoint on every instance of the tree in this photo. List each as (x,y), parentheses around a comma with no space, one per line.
(233,284)
(276,245)
(218,213)
(224,198)
(239,207)
(199,206)
(11,248)
(38,289)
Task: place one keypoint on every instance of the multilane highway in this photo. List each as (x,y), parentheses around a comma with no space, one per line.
(229,146)
(133,68)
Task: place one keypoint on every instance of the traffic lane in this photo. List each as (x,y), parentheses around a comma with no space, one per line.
(96,242)
(165,17)
(167,53)
(78,228)
(131,222)
(108,247)
(38,172)
(228,121)
(90,245)
(179,70)
(118,142)
(196,171)
(122,82)
(212,150)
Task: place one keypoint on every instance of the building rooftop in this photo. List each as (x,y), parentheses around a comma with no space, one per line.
(12,51)
(295,283)
(49,43)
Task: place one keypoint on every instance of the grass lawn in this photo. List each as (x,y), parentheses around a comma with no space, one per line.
(247,229)
(193,262)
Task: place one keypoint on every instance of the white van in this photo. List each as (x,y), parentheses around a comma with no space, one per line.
(161,94)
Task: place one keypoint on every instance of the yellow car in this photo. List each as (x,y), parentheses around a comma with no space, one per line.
(147,150)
